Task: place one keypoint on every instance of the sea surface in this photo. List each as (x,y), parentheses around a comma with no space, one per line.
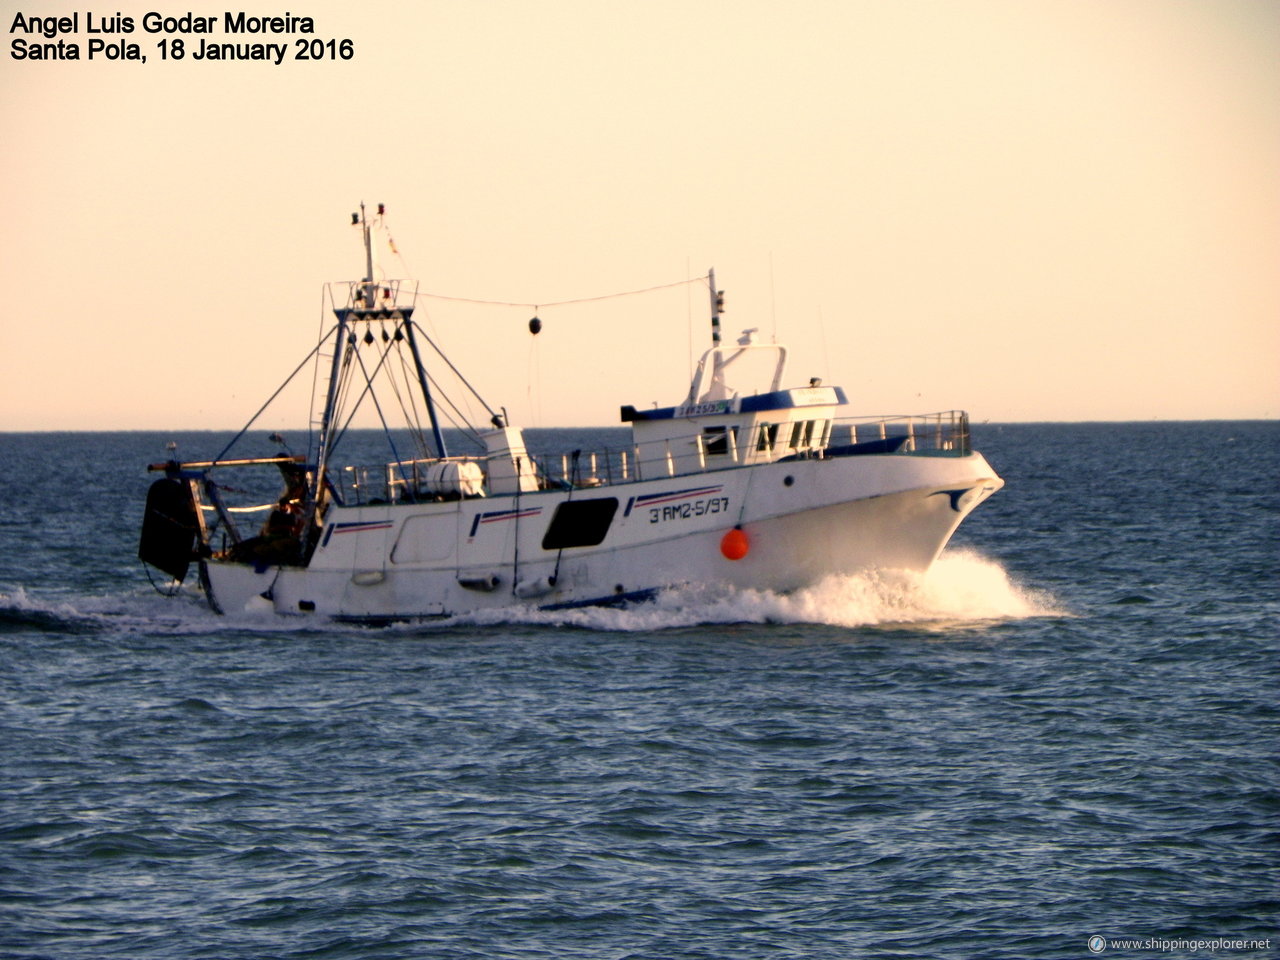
(1067,730)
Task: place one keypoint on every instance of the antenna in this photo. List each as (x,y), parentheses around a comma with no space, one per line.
(370,294)
(717,307)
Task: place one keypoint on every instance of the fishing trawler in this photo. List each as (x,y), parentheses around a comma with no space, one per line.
(740,483)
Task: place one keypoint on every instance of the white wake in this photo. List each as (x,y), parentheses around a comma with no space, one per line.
(961,587)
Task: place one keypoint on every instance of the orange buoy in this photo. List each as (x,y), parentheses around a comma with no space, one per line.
(734,544)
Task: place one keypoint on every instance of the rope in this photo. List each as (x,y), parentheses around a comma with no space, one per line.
(413,416)
(381,224)
(245,429)
(561,303)
(457,420)
(456,372)
(372,394)
(168,594)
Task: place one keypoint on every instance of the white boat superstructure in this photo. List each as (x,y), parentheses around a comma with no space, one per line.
(745,482)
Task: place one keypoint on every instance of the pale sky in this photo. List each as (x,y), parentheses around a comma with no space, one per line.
(1056,210)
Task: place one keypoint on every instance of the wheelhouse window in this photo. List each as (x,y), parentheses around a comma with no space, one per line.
(801,435)
(809,434)
(716,440)
(767,438)
(822,436)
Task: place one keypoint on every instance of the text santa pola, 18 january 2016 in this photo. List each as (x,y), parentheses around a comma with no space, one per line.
(106,41)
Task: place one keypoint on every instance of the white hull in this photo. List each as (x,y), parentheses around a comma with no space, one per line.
(803,519)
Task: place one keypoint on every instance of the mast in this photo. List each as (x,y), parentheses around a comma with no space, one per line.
(370,303)
(370,310)
(364,307)
(342,345)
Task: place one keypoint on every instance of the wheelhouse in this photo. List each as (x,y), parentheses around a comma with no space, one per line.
(735,414)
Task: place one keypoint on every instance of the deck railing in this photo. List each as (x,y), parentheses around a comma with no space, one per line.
(934,434)
(931,433)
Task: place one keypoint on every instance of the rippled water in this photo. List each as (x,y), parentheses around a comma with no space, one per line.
(1068,728)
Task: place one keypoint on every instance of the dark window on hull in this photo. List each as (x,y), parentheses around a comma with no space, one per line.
(580,523)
